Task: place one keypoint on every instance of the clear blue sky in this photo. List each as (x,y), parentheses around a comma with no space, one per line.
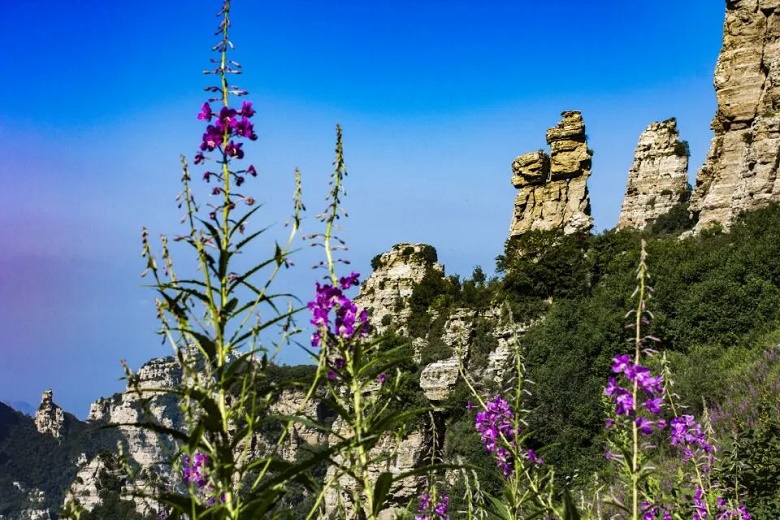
(436,98)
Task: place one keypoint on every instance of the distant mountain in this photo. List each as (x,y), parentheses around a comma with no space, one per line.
(21,406)
(35,468)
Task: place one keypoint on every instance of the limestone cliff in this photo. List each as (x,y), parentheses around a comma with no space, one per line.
(552,189)
(49,418)
(741,169)
(658,177)
(385,294)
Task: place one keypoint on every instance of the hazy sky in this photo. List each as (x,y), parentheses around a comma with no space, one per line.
(436,98)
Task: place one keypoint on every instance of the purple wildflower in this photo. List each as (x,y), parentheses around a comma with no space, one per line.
(349,319)
(246,109)
(431,511)
(699,505)
(205,112)
(727,513)
(496,423)
(687,434)
(654,405)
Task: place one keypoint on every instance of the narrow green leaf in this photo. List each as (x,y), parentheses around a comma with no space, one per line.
(381,488)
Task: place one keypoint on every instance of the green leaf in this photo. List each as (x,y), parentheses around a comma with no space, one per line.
(569,509)
(381,488)
(498,509)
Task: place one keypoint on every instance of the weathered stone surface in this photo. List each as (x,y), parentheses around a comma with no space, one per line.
(392,456)
(387,291)
(145,447)
(294,403)
(740,172)
(438,378)
(658,177)
(49,418)
(552,189)
(32,508)
(84,489)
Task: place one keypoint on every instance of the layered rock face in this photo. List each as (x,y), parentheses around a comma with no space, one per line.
(385,294)
(552,189)
(49,419)
(143,446)
(741,169)
(438,378)
(658,177)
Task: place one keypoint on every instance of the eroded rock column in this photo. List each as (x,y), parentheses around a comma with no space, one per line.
(658,177)
(552,189)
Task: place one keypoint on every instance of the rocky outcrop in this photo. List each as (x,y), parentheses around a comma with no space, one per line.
(438,378)
(33,508)
(85,489)
(385,294)
(552,189)
(143,399)
(49,418)
(658,177)
(390,456)
(146,448)
(294,403)
(741,169)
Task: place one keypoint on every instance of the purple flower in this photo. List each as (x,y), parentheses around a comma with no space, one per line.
(496,424)
(348,281)
(205,112)
(624,402)
(651,384)
(234,150)
(244,128)
(687,434)
(381,378)
(645,426)
(699,505)
(533,458)
(211,139)
(439,510)
(726,513)
(621,364)
(348,321)
(246,109)
(654,405)
(251,170)
(194,470)
(227,116)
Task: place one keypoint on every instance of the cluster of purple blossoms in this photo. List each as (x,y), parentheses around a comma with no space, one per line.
(726,513)
(651,385)
(194,470)
(228,124)
(432,511)
(651,512)
(687,434)
(348,321)
(496,425)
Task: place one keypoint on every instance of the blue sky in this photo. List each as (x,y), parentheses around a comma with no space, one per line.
(436,98)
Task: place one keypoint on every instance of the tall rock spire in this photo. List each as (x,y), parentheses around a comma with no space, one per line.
(552,189)
(49,419)
(741,169)
(658,177)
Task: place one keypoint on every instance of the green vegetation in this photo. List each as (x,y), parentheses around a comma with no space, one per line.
(41,461)
(716,306)
(682,149)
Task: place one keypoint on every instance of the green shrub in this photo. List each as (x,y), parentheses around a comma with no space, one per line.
(682,149)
